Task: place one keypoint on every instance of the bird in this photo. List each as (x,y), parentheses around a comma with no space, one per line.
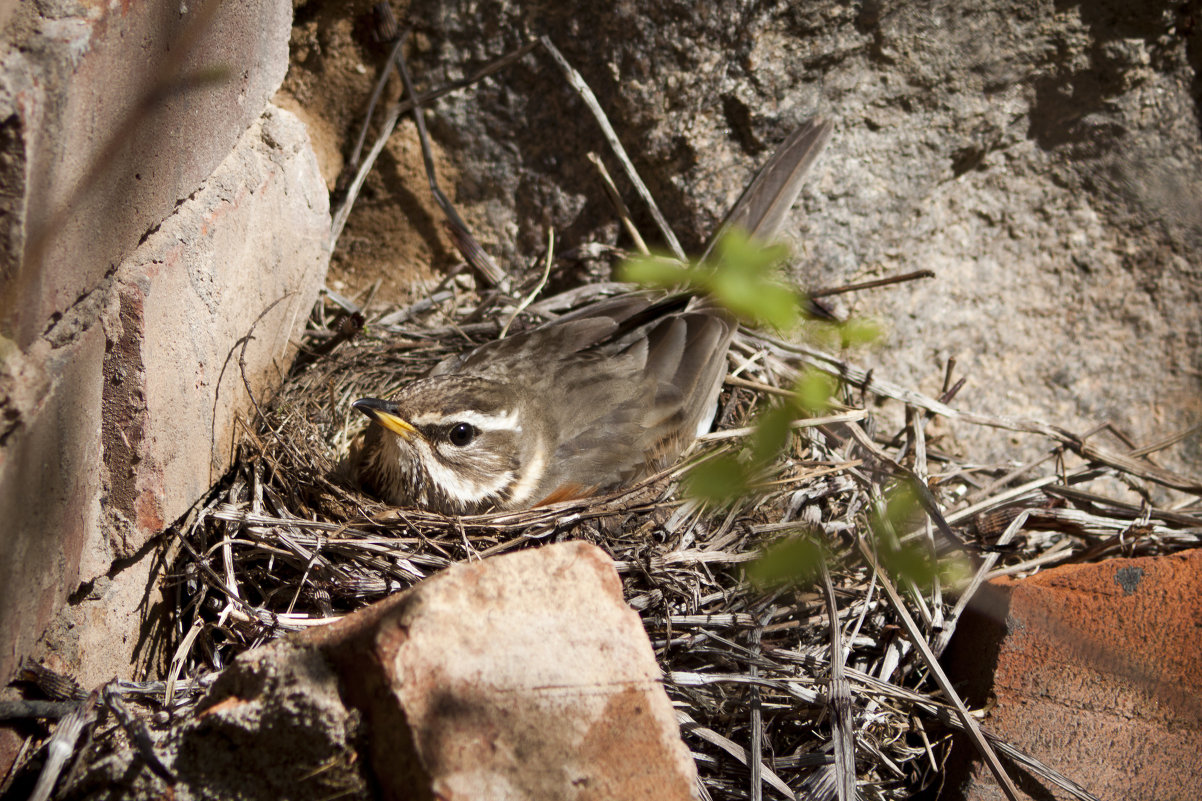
(589,402)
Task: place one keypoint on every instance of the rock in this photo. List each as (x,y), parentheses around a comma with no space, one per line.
(523,676)
(1045,165)
(273,726)
(1091,669)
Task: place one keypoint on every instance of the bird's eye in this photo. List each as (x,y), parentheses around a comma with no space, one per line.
(462,434)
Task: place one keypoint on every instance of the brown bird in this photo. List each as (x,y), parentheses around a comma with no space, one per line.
(591,401)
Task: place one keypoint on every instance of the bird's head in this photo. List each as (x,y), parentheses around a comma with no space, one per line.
(451,444)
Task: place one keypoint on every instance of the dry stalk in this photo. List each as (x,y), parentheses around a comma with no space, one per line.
(286,542)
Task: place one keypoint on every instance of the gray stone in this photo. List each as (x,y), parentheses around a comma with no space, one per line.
(1045,162)
(273,726)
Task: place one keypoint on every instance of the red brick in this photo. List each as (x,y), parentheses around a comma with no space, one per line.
(1095,670)
(522,676)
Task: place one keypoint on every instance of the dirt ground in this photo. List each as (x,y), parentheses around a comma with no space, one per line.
(394,244)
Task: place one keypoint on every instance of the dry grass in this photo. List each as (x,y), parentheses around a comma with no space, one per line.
(283,543)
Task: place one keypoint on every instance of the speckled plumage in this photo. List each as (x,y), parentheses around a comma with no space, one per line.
(594,400)
(626,385)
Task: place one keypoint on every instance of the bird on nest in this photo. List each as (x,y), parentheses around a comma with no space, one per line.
(591,401)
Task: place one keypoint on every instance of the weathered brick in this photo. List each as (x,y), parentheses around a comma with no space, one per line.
(50,483)
(522,676)
(125,408)
(208,305)
(111,116)
(113,113)
(1094,670)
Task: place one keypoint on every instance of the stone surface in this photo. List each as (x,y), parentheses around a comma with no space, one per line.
(523,676)
(113,113)
(50,481)
(274,726)
(1044,159)
(125,409)
(1094,670)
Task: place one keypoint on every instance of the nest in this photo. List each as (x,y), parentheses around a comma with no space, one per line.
(801,687)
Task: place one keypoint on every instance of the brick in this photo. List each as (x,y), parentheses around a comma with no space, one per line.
(522,676)
(100,120)
(121,415)
(50,481)
(245,257)
(1095,670)
(103,134)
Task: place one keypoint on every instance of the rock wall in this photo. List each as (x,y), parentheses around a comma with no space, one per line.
(163,236)
(1043,158)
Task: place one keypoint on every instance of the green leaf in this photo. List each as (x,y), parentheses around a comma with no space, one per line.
(754,299)
(860,331)
(954,570)
(796,560)
(743,277)
(745,280)
(656,271)
(740,253)
(719,480)
(814,391)
(771,432)
(902,505)
(911,561)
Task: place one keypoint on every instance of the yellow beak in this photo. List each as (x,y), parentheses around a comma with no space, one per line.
(384,413)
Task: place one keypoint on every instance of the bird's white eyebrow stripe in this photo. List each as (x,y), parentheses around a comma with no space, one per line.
(528,481)
(507,421)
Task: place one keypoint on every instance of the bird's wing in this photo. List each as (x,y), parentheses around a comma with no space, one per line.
(609,326)
(664,356)
(764,205)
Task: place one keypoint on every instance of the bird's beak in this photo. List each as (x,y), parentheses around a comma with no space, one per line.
(384,413)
